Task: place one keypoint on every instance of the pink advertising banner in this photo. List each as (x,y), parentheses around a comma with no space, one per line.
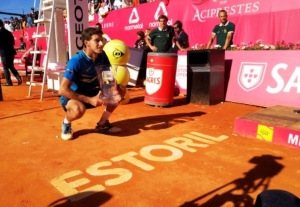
(261,78)
(269,21)
(264,78)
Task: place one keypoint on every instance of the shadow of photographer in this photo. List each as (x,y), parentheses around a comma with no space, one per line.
(256,178)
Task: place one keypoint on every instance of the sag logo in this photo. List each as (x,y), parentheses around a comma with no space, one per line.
(134,16)
(153,80)
(161,7)
(150,71)
(251,75)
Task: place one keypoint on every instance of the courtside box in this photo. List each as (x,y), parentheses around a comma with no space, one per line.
(160,78)
(205,76)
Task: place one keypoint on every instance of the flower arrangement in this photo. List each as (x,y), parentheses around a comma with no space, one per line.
(258,45)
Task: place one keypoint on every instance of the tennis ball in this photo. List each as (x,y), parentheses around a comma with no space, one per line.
(117,52)
(126,98)
(122,75)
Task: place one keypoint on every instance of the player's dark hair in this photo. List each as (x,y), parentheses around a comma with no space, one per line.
(221,11)
(141,34)
(162,16)
(178,24)
(89,32)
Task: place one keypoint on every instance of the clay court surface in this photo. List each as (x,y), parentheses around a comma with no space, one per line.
(185,155)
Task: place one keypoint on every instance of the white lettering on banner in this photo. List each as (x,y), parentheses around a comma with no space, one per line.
(220,1)
(66,28)
(108,24)
(132,27)
(153,80)
(134,18)
(78,27)
(201,16)
(251,75)
(294,140)
(294,80)
(181,72)
(156,24)
(223,2)
(26,36)
(279,80)
(68,182)
(77,22)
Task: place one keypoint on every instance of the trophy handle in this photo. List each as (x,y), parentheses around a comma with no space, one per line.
(114,70)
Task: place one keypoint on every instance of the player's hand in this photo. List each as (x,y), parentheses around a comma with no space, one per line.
(153,48)
(96,100)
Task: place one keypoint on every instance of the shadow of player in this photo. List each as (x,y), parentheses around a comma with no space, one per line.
(135,125)
(89,198)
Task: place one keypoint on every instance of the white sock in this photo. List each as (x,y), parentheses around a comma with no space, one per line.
(66,121)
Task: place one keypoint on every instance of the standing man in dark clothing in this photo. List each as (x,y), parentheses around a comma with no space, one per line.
(22,44)
(7,53)
(160,39)
(223,31)
(181,38)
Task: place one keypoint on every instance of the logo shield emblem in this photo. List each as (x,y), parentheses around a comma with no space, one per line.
(251,75)
(153,80)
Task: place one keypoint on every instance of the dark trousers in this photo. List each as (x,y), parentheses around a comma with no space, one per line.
(8,64)
(277,198)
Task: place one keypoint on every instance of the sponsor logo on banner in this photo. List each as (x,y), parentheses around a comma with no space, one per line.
(161,9)
(265,133)
(153,80)
(202,15)
(220,1)
(251,75)
(134,16)
(77,19)
(107,24)
(26,36)
(117,53)
(282,83)
(133,20)
(294,140)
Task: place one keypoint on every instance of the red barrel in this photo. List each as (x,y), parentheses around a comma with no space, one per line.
(160,78)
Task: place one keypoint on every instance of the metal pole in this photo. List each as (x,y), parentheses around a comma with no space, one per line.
(34,4)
